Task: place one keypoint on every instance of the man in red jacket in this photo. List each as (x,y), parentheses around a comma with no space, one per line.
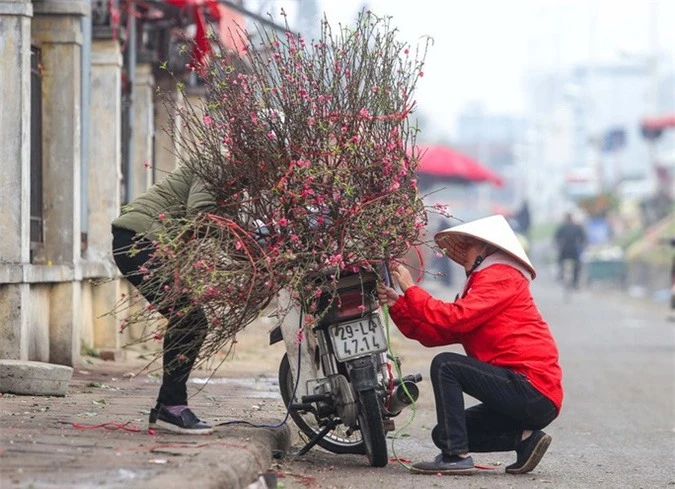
(511,362)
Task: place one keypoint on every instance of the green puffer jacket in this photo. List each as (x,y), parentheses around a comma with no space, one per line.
(179,194)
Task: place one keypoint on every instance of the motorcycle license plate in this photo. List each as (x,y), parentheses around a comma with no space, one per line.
(358,338)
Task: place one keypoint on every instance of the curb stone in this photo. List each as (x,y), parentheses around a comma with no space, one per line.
(238,458)
(34,378)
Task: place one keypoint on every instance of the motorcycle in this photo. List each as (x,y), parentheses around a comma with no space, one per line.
(336,377)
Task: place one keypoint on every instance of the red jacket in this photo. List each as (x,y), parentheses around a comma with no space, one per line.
(495,320)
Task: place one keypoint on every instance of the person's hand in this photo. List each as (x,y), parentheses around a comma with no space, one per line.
(402,276)
(386,295)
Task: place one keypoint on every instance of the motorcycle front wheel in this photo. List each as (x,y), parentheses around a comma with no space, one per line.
(372,428)
(337,440)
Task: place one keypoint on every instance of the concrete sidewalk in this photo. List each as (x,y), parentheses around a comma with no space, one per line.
(97,435)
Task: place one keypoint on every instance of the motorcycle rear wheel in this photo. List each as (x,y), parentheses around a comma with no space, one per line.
(372,428)
(337,440)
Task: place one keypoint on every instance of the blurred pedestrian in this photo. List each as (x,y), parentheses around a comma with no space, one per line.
(178,194)
(511,362)
(440,265)
(524,219)
(570,239)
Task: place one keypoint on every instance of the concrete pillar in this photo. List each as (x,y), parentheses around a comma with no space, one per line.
(144,128)
(15,42)
(166,159)
(104,183)
(57,26)
(65,323)
(104,150)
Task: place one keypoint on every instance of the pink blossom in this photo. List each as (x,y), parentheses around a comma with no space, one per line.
(208,120)
(336,260)
(283,222)
(161,216)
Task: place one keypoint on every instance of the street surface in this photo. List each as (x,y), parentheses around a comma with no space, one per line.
(616,430)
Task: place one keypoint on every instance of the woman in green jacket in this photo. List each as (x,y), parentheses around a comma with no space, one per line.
(179,194)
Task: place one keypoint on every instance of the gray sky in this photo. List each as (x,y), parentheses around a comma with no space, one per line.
(484,48)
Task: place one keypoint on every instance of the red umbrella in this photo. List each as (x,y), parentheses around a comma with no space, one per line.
(652,127)
(444,162)
(660,122)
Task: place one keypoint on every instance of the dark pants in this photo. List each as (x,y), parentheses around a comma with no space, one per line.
(184,332)
(510,405)
(576,270)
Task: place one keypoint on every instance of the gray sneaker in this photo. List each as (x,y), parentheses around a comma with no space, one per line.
(529,453)
(187,423)
(445,465)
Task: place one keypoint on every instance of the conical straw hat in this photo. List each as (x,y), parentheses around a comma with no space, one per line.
(494,230)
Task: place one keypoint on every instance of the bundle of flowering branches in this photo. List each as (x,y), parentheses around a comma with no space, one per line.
(308,151)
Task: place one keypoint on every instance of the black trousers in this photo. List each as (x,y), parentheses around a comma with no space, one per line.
(185,332)
(576,270)
(509,405)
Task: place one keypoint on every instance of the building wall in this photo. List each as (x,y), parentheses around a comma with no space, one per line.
(52,306)
(569,113)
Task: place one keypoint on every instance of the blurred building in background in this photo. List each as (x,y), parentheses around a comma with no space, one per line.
(584,134)
(494,140)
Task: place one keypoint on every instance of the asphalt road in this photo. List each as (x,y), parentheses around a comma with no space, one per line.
(616,430)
